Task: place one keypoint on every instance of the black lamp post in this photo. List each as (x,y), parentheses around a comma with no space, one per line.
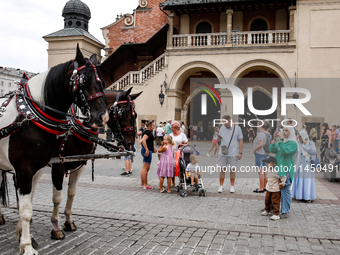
(161,97)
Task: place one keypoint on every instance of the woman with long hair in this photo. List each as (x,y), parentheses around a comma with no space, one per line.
(147,149)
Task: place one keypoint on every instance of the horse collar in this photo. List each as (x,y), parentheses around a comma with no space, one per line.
(31,111)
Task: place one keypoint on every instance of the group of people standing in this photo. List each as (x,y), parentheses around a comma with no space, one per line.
(171,140)
(293,162)
(294,154)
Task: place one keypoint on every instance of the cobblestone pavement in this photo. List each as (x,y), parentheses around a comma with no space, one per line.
(115,216)
(105,235)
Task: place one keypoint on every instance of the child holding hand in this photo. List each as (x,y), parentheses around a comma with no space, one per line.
(273,194)
(166,164)
(192,170)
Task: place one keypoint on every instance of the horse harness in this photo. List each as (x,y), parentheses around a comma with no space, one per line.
(29,108)
(119,113)
(77,82)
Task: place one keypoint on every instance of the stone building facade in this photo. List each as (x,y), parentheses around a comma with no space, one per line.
(8,78)
(292,42)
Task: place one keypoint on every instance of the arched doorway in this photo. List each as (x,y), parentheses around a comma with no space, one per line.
(262,83)
(259,25)
(203,28)
(194,87)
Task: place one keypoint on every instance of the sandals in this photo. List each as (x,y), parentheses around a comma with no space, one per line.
(162,191)
(149,187)
(169,191)
(259,191)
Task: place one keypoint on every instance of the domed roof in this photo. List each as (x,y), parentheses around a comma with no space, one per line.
(76,7)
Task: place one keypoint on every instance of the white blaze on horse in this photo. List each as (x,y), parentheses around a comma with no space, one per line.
(33,123)
(122,122)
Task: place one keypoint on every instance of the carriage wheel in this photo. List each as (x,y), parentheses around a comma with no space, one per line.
(204,193)
(177,188)
(200,193)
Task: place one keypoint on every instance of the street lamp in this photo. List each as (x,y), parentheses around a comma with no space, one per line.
(161,97)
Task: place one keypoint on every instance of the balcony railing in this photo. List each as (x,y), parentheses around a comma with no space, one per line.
(237,38)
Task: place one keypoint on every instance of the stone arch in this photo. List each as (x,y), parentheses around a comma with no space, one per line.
(190,68)
(269,94)
(185,108)
(259,17)
(204,20)
(259,65)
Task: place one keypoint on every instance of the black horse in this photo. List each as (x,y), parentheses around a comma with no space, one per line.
(35,123)
(122,122)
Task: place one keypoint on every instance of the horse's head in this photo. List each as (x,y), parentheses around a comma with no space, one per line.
(87,88)
(123,116)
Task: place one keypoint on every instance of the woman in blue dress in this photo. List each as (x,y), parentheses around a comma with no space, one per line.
(303,186)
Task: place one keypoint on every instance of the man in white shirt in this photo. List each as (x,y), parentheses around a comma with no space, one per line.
(230,136)
(159,134)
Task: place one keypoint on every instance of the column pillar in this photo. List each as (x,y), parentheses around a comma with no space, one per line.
(170,30)
(227,102)
(229,26)
(292,11)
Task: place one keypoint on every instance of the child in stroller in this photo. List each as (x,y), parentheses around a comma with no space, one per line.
(192,171)
(186,152)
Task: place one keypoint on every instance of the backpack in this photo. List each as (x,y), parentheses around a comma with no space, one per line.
(268,142)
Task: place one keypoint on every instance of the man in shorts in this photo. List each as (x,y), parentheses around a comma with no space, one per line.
(230,136)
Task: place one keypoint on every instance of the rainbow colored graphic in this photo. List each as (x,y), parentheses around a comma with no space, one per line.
(208,92)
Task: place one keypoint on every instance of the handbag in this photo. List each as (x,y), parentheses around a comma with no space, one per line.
(224,148)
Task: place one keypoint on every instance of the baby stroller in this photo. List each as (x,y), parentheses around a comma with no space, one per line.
(184,160)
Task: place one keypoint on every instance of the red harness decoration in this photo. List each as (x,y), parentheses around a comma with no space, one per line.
(84,129)
(36,119)
(126,129)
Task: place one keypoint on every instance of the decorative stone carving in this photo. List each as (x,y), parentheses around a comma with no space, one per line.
(143,3)
(128,19)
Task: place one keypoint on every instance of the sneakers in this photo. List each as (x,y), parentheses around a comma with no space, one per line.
(208,155)
(232,189)
(275,217)
(125,173)
(220,189)
(284,216)
(265,213)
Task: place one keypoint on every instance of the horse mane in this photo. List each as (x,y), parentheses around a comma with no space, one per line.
(54,93)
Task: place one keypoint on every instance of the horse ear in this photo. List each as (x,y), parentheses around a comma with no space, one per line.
(79,57)
(93,59)
(134,96)
(126,93)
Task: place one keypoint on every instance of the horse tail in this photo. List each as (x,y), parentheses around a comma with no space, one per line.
(4,189)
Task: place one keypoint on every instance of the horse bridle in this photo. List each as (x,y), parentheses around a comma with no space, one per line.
(118,113)
(78,82)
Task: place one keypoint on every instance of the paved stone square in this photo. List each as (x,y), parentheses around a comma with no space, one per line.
(115,216)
